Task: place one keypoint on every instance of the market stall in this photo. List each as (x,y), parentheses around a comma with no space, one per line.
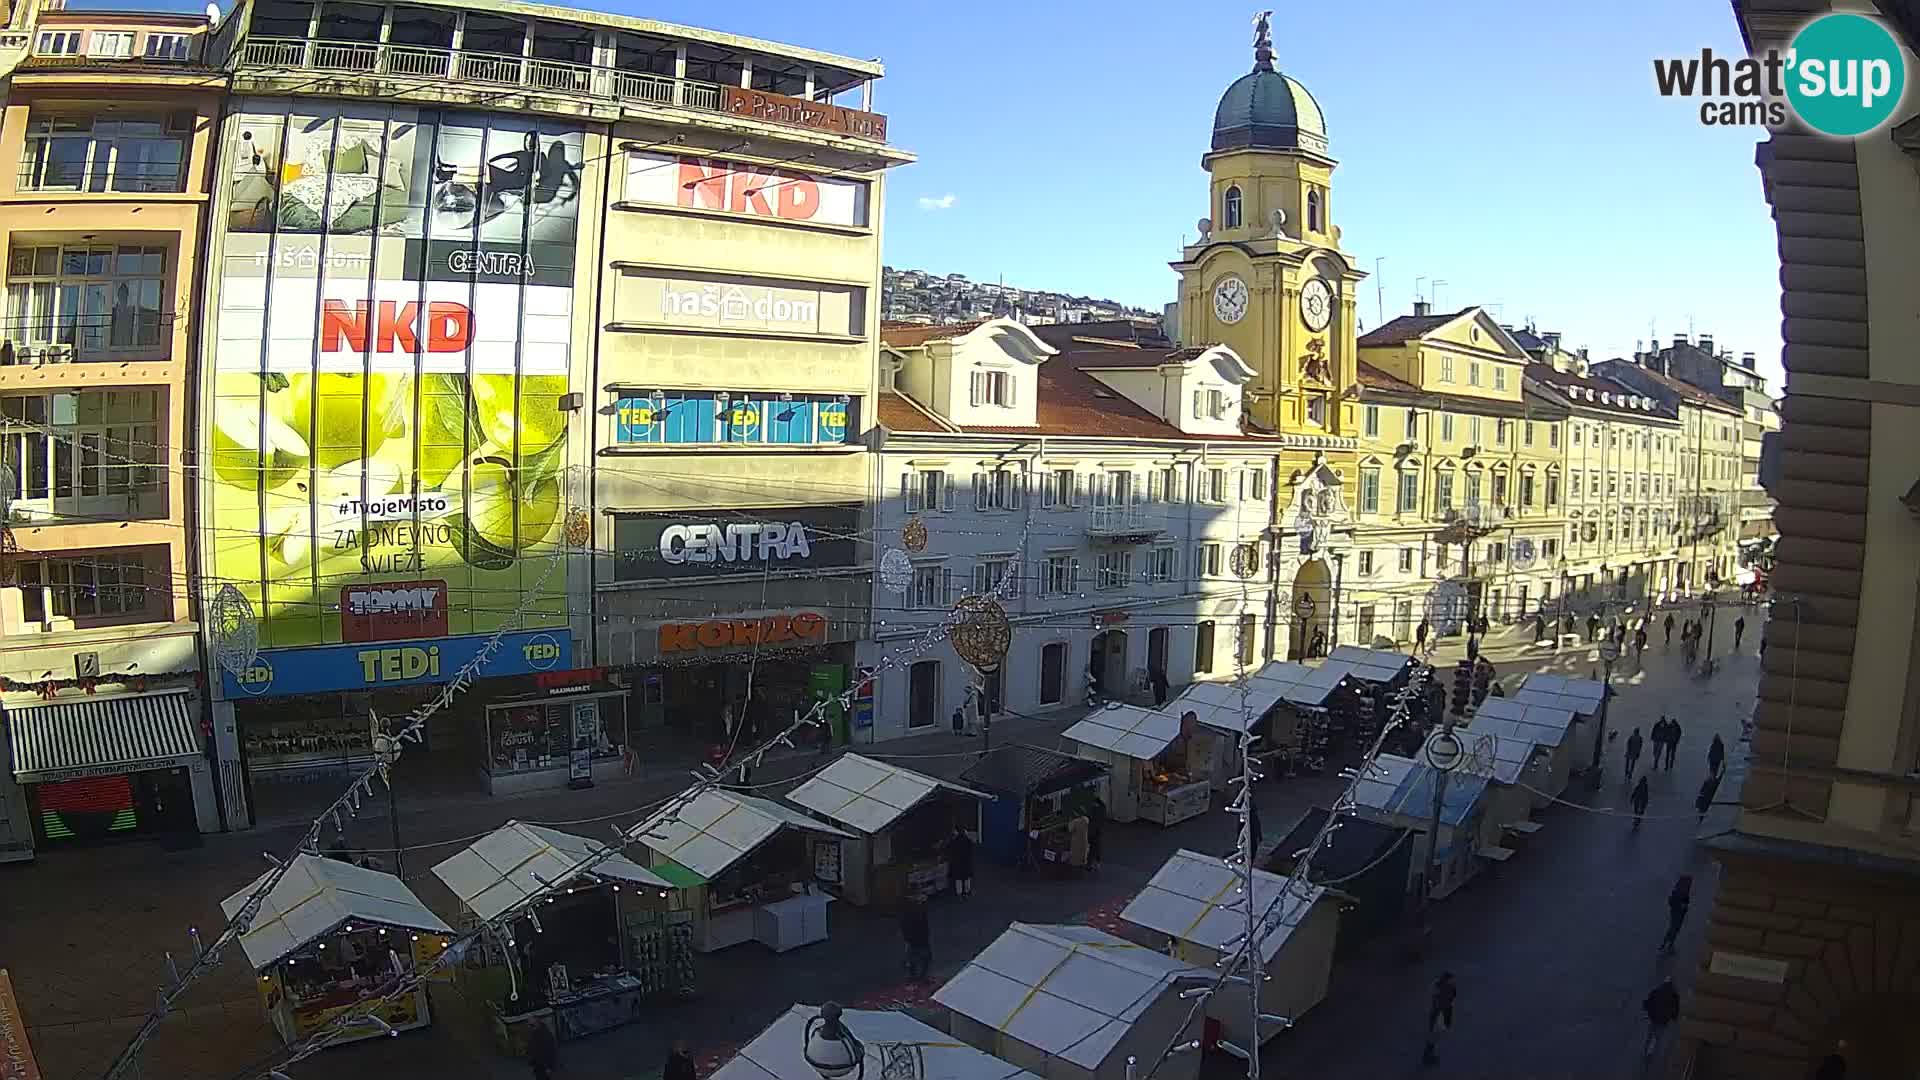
(1074,1003)
(1042,798)
(1581,697)
(1370,861)
(1551,726)
(1226,711)
(891,1039)
(901,821)
(330,934)
(1194,901)
(1383,667)
(604,942)
(1399,791)
(1153,776)
(749,868)
(1515,765)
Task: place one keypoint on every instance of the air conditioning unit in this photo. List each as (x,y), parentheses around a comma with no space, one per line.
(1469,451)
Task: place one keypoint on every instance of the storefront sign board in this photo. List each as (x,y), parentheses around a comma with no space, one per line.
(736,187)
(785,631)
(373,666)
(799,112)
(653,546)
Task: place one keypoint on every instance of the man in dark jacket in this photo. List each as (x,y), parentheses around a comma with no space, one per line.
(679,1063)
(1160,688)
(1678,901)
(1640,796)
(1662,1006)
(1704,801)
(959,853)
(1669,627)
(1716,756)
(1593,628)
(543,1050)
(1739,631)
(918,936)
(1439,1016)
(1635,743)
(1673,739)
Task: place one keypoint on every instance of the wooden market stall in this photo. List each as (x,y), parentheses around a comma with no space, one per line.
(1148,751)
(1195,903)
(1581,697)
(1399,792)
(901,821)
(1074,1003)
(1225,711)
(1041,798)
(1383,667)
(1551,726)
(604,944)
(749,868)
(331,934)
(777,1054)
(1514,765)
(1370,861)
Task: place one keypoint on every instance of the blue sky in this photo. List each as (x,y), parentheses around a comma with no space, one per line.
(1512,148)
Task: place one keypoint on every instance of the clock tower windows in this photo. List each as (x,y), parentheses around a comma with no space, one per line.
(1231,210)
(1316,212)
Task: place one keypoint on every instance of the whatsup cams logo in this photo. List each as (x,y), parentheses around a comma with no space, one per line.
(1842,75)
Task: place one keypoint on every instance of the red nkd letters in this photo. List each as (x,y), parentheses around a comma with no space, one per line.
(741,190)
(443,325)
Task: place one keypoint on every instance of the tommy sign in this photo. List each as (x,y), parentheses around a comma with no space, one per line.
(653,546)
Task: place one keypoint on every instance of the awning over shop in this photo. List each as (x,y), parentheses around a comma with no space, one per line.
(518,861)
(869,795)
(776,1053)
(1546,724)
(1373,665)
(1580,696)
(317,896)
(1220,705)
(719,828)
(1030,771)
(103,736)
(1071,992)
(1127,730)
(1192,898)
(1319,684)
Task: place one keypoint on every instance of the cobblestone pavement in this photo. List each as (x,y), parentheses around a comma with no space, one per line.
(1548,949)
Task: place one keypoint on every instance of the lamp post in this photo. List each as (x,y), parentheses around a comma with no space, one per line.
(830,1048)
(1303,607)
(1339,575)
(1443,753)
(1609,652)
(1706,615)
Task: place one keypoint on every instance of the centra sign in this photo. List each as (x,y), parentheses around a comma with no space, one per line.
(741,542)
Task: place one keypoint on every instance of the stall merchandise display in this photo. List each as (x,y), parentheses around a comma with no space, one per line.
(660,953)
(600,1004)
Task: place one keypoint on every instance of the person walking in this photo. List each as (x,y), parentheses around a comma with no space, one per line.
(1420,636)
(1662,1006)
(1439,1016)
(1634,745)
(1593,628)
(1640,797)
(1640,644)
(959,853)
(679,1063)
(1673,740)
(1716,756)
(543,1050)
(1704,801)
(918,936)
(1669,626)
(1678,901)
(1160,687)
(1657,738)
(1739,631)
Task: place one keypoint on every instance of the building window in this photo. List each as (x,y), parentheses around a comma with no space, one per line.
(1163,563)
(1370,419)
(1317,410)
(1406,560)
(1500,432)
(928,489)
(1473,373)
(58,43)
(1499,378)
(1549,548)
(1553,436)
(1446,369)
(1576,434)
(1409,492)
(85,303)
(1230,209)
(1473,487)
(1526,490)
(1216,404)
(1203,647)
(1170,484)
(997,489)
(923,694)
(993,388)
(783,419)
(1441,556)
(1413,425)
(1215,490)
(1369,491)
(167,46)
(932,587)
(1113,570)
(1314,222)
(1249,635)
(1499,488)
(1366,563)
(1496,553)
(1210,559)
(989,573)
(95,585)
(1474,433)
(1058,488)
(110,44)
(1613,485)
(93,444)
(1526,437)
(1443,491)
(1446,427)
(1061,576)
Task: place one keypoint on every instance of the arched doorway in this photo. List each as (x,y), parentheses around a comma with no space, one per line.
(1310,607)
(1107,664)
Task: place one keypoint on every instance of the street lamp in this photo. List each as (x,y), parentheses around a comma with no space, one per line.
(1609,652)
(1339,574)
(830,1048)
(1706,616)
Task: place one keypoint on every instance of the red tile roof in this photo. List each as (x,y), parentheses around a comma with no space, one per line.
(1563,383)
(1680,388)
(906,335)
(900,413)
(1380,380)
(1407,327)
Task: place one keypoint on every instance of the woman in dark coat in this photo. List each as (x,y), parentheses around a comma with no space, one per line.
(959,853)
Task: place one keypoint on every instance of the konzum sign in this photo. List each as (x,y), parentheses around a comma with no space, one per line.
(802,628)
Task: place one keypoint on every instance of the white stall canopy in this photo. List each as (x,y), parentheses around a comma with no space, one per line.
(1545,724)
(317,896)
(1221,705)
(1402,787)
(869,795)
(888,1036)
(517,861)
(1127,730)
(1072,993)
(1192,898)
(719,828)
(1373,665)
(1579,696)
(1500,750)
(1319,684)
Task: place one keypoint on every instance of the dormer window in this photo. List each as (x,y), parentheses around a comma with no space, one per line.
(992,388)
(1314,213)
(1209,405)
(1230,209)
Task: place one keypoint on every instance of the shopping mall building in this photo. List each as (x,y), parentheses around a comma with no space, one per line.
(542,344)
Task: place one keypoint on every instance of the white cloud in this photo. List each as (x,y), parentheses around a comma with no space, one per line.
(943,202)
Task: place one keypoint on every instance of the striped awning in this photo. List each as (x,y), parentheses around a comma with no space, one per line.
(102,737)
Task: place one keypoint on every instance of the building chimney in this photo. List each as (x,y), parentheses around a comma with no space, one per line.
(1679,340)
(1706,344)
(1746,360)
(1422,307)
(1552,338)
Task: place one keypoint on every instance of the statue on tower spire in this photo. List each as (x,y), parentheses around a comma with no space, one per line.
(1262,42)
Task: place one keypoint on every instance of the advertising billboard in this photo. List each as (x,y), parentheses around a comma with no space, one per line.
(383,665)
(688,543)
(388,450)
(695,183)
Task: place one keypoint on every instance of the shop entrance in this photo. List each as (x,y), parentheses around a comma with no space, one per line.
(923,694)
(734,701)
(1107,664)
(1157,651)
(98,809)
(1053,672)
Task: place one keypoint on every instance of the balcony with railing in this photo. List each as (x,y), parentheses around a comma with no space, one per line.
(123,334)
(593,83)
(1124,523)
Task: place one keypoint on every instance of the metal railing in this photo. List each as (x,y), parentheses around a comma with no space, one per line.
(1120,519)
(130,335)
(411,61)
(127,178)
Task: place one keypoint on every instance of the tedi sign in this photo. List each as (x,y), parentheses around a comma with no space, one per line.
(735,542)
(1842,76)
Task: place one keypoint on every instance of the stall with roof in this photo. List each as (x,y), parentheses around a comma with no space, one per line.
(1148,751)
(1581,697)
(1039,796)
(1194,902)
(748,867)
(1400,791)
(1550,726)
(1369,862)
(892,1043)
(329,934)
(590,955)
(901,821)
(1374,676)
(1225,711)
(1074,1003)
(1514,765)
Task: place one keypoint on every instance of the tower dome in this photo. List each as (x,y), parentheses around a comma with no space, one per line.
(1267,110)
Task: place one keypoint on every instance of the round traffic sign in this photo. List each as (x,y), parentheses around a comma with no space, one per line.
(1444,751)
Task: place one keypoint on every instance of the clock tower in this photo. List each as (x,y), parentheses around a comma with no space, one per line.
(1267,277)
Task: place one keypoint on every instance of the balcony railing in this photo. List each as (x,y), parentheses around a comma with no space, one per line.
(126,336)
(409,61)
(1122,521)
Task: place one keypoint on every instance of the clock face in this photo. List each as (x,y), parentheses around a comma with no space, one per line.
(1316,304)
(1230,300)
